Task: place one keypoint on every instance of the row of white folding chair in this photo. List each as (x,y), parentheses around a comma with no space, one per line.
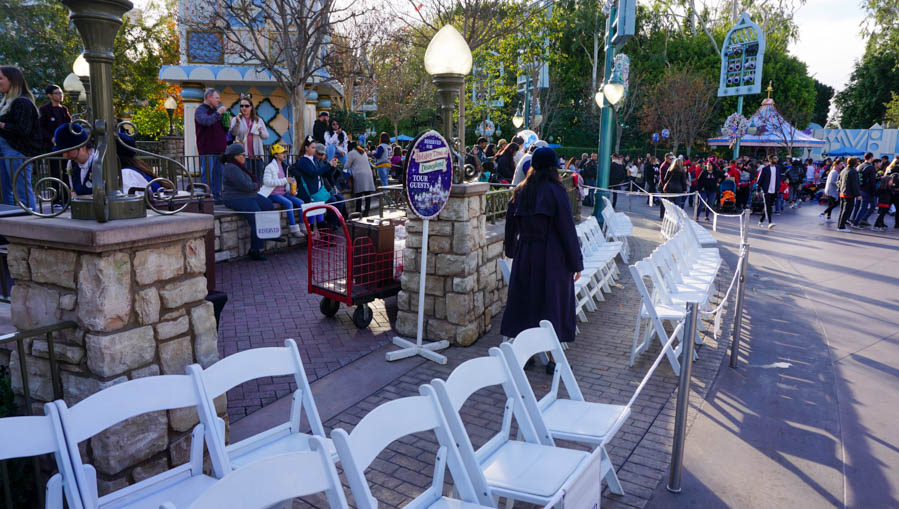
(618,226)
(703,236)
(197,389)
(601,239)
(37,435)
(598,249)
(671,222)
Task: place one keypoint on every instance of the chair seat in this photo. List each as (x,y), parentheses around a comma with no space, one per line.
(296,442)
(666,312)
(570,419)
(181,494)
(453,503)
(531,468)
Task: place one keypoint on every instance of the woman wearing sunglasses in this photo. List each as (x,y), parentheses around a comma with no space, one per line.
(249,130)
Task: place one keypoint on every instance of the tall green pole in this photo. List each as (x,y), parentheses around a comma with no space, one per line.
(739,112)
(606,123)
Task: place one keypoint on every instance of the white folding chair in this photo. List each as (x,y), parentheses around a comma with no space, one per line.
(277,479)
(94,414)
(37,435)
(655,312)
(575,418)
(396,419)
(532,470)
(249,365)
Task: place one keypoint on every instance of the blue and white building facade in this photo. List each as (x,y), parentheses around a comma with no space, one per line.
(207,60)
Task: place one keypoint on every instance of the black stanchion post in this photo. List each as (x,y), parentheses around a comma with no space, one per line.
(683,399)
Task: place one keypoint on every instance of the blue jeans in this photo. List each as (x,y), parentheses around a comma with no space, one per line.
(588,201)
(212,174)
(288,201)
(864,207)
(383,174)
(680,201)
(709,197)
(7,168)
(331,151)
(779,202)
(256,204)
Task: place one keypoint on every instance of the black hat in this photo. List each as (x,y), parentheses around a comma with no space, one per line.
(63,138)
(235,149)
(544,157)
(123,151)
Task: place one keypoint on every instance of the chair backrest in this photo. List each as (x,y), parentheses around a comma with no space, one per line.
(249,365)
(537,340)
(479,373)
(396,419)
(37,435)
(645,268)
(115,404)
(505,267)
(268,481)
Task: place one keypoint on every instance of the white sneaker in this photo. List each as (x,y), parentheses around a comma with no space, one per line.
(771,225)
(295,229)
(845,230)
(828,220)
(822,216)
(761,224)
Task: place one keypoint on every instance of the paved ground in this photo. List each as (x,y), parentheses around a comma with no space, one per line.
(809,418)
(268,302)
(599,357)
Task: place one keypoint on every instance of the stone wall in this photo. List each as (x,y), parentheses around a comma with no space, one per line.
(232,236)
(141,311)
(464,288)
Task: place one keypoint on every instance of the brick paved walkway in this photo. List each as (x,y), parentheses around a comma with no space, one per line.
(640,450)
(268,302)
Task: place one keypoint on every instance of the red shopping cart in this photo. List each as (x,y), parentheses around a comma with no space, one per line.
(348,270)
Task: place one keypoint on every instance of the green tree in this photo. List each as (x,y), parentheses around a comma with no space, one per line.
(863,102)
(142,46)
(38,39)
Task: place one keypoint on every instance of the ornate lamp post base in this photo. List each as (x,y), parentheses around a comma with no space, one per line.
(120,207)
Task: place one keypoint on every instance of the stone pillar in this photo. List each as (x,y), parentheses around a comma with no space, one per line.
(137,291)
(464,288)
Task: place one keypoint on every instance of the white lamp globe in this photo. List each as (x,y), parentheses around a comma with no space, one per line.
(448,53)
(81,68)
(72,84)
(517,121)
(613,92)
(170,104)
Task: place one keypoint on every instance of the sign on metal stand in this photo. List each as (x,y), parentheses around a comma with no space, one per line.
(429,177)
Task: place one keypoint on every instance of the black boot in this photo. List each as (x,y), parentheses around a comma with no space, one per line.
(256,255)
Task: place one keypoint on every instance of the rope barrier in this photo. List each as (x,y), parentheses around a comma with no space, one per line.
(720,308)
(656,363)
(310,203)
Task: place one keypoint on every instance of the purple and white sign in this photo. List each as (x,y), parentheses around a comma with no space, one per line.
(429,175)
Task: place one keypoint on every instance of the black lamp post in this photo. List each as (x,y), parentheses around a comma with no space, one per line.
(170,106)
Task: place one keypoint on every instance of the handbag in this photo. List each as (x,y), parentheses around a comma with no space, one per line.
(321,195)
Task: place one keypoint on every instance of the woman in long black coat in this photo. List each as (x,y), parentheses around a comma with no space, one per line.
(546,257)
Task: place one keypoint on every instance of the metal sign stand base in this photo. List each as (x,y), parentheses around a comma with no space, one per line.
(410,349)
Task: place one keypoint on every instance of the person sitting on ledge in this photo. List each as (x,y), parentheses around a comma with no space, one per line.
(277,187)
(240,193)
(313,184)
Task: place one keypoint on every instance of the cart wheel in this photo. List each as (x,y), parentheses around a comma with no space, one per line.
(362,316)
(329,307)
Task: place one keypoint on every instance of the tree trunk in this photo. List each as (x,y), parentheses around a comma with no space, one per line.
(396,132)
(298,109)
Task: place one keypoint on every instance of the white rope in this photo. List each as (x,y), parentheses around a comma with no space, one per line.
(306,204)
(720,308)
(658,195)
(655,364)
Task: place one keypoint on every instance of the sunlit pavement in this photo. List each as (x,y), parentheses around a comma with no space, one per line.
(809,419)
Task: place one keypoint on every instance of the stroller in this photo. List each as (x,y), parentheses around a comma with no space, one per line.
(728,201)
(757,202)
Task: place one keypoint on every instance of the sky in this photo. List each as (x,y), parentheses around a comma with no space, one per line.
(830,39)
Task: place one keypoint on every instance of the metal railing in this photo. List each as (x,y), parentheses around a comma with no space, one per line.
(498,202)
(55,382)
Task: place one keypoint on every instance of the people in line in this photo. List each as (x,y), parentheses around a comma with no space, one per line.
(832,191)
(281,189)
(248,129)
(20,136)
(865,206)
(849,191)
(313,176)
